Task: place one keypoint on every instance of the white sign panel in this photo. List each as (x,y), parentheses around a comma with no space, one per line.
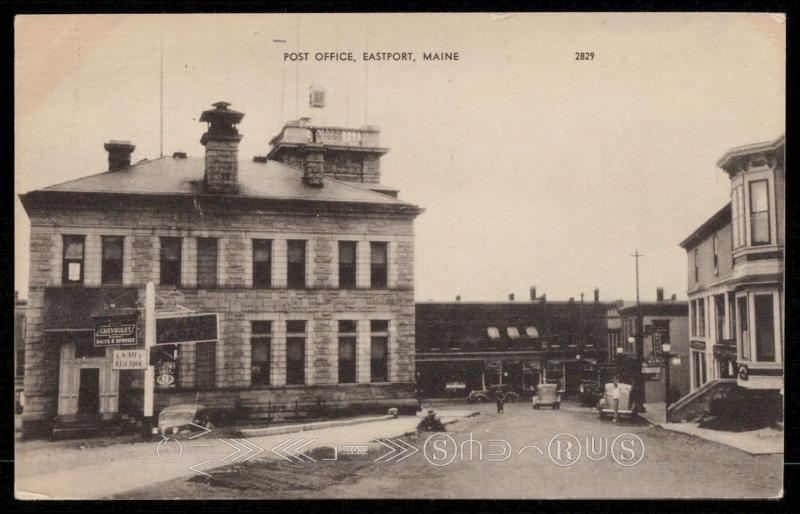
(129,359)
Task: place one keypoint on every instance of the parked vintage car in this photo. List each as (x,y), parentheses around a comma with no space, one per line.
(606,405)
(176,417)
(485,395)
(546,396)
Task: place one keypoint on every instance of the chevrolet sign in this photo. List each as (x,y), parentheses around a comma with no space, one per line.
(115,331)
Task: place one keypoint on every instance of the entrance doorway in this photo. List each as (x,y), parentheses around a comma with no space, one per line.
(89,391)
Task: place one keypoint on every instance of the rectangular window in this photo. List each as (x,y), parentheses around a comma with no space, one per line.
(696,266)
(693,317)
(759,212)
(111,266)
(379,351)
(262,263)
(260,352)
(205,360)
(719,305)
(378,265)
(19,362)
(744,333)
(171,261)
(347,264)
(699,369)
(347,351)
(714,244)
(735,218)
(701,316)
(295,352)
(72,263)
(765,328)
(732,316)
(206,262)
(296,264)
(740,224)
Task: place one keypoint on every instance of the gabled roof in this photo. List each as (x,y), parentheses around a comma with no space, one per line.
(721,218)
(272,179)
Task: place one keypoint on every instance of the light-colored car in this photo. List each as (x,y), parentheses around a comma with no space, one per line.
(175,417)
(606,405)
(546,396)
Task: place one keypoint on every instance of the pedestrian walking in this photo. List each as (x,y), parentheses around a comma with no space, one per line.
(500,398)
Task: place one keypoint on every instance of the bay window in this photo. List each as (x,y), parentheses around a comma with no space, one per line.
(759,213)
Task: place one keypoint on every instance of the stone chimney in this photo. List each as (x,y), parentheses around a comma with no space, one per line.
(596,294)
(119,154)
(674,297)
(511,297)
(458,298)
(313,165)
(660,294)
(222,148)
(533,293)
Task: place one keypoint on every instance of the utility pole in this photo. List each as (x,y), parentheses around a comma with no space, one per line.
(636,255)
(639,381)
(161,102)
(149,343)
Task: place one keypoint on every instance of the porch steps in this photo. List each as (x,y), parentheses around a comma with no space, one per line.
(696,404)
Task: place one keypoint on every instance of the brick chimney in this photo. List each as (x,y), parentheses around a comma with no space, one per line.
(533,293)
(596,294)
(674,297)
(119,154)
(222,148)
(660,294)
(511,297)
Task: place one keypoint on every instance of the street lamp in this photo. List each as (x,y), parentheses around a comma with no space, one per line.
(665,349)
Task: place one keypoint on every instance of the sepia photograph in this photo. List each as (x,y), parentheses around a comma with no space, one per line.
(399,256)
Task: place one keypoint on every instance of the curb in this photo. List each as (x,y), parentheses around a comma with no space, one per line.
(288,429)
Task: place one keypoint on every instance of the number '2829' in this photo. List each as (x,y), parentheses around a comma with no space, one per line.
(584,56)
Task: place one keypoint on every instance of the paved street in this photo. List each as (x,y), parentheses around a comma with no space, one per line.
(672,465)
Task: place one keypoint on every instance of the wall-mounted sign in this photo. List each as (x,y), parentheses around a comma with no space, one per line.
(129,359)
(165,380)
(194,328)
(743,372)
(115,331)
(698,345)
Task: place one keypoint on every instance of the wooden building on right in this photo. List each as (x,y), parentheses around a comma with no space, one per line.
(736,277)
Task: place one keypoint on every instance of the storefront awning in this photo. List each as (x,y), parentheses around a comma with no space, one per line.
(74,309)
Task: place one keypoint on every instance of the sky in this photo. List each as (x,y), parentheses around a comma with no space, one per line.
(534,168)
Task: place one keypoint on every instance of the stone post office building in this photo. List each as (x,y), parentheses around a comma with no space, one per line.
(304,256)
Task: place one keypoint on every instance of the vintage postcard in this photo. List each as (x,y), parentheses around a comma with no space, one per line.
(438,256)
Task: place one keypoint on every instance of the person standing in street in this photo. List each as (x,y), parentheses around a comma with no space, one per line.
(500,398)
(615,399)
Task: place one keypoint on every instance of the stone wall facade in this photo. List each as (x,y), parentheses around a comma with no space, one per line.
(321,304)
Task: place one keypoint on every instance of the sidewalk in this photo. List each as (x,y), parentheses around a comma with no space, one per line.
(54,472)
(766,441)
